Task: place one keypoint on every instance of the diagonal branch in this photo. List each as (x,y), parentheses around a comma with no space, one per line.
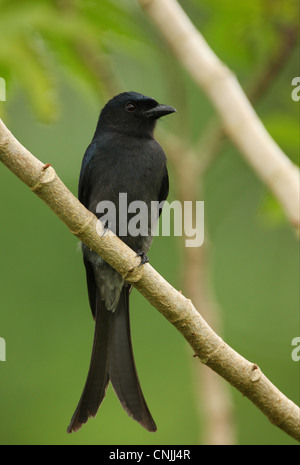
(239,119)
(207,345)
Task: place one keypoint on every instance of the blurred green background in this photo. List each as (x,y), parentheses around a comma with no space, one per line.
(61,61)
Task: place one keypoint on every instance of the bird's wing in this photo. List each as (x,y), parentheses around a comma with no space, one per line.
(85,172)
(164,190)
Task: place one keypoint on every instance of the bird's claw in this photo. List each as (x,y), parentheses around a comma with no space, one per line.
(144,258)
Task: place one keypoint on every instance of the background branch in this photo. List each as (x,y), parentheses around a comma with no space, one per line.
(191,164)
(240,121)
(207,345)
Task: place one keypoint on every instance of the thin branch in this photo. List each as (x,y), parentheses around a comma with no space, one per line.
(216,405)
(210,144)
(191,164)
(240,121)
(207,345)
(286,44)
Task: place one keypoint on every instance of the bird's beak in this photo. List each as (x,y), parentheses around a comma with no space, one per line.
(158,111)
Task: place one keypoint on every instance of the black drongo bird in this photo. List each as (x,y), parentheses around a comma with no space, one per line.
(123,157)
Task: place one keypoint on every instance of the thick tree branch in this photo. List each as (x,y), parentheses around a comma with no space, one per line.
(240,121)
(207,345)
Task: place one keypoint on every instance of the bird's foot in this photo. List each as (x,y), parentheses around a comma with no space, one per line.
(144,258)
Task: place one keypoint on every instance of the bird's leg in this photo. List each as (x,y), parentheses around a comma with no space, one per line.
(144,258)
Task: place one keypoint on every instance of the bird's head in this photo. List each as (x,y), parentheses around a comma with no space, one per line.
(132,113)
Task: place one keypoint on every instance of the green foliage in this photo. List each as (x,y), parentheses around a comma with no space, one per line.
(40,38)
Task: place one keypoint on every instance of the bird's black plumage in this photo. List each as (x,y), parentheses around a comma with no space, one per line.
(123,157)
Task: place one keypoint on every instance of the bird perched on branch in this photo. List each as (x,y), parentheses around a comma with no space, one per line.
(123,157)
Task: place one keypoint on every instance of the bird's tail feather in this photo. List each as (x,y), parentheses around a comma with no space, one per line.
(122,370)
(97,378)
(112,359)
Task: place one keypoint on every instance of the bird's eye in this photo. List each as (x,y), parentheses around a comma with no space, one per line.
(130,107)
